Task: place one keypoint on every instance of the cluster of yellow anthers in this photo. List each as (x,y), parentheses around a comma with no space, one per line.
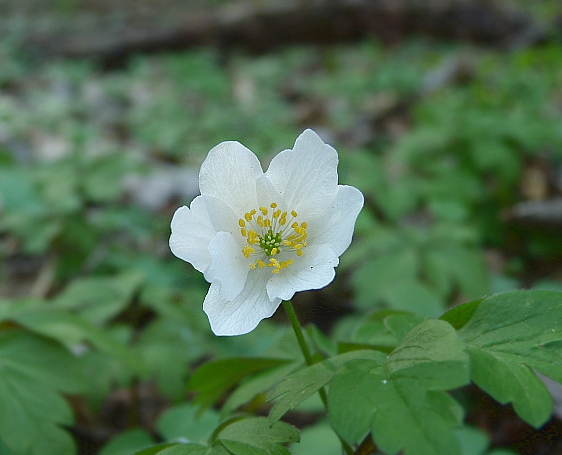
(273,232)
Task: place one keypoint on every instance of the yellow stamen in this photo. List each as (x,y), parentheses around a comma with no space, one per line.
(275,234)
(253,237)
(248,251)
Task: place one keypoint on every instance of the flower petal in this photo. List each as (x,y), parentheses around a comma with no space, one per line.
(336,227)
(307,175)
(267,194)
(228,265)
(314,270)
(229,173)
(243,314)
(221,215)
(192,231)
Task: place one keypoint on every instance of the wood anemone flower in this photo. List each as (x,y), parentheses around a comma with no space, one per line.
(260,237)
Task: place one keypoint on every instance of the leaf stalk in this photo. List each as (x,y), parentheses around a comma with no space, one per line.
(291,313)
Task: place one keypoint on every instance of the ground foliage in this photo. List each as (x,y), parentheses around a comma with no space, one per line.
(444,141)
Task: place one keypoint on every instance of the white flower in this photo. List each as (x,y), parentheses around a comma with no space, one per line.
(260,237)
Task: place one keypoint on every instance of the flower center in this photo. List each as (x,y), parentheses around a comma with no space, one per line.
(272,231)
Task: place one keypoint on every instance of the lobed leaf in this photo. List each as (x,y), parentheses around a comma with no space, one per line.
(454,263)
(508,335)
(318,439)
(33,372)
(257,384)
(254,436)
(183,449)
(99,299)
(184,421)
(297,387)
(68,328)
(400,324)
(167,347)
(128,442)
(214,379)
(240,436)
(400,398)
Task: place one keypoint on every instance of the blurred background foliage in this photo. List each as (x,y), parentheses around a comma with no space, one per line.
(457,148)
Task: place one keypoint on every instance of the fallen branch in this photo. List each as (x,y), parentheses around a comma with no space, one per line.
(264,28)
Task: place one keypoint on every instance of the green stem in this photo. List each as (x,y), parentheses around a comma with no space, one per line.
(290,310)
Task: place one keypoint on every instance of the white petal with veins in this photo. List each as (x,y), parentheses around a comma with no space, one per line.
(243,314)
(307,175)
(191,233)
(228,265)
(229,173)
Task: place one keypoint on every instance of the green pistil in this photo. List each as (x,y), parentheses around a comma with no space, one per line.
(270,241)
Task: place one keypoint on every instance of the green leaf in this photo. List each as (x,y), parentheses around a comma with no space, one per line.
(473,440)
(159,448)
(319,439)
(374,278)
(17,191)
(214,379)
(254,436)
(297,387)
(497,156)
(240,436)
(168,347)
(433,354)
(186,422)
(4,450)
(414,297)
(508,335)
(104,179)
(105,370)
(183,449)
(400,398)
(460,315)
(32,373)
(372,330)
(257,384)
(70,329)
(98,299)
(454,263)
(128,442)
(400,324)
(508,380)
